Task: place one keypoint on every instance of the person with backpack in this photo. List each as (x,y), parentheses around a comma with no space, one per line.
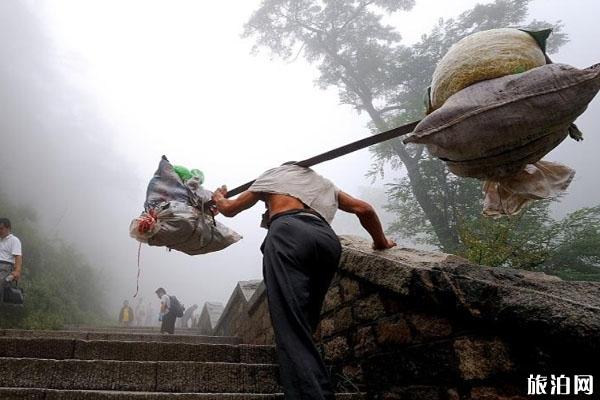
(170,309)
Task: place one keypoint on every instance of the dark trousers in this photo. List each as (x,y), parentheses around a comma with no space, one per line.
(301,254)
(168,323)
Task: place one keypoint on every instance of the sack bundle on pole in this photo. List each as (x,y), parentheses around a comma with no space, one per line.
(176,215)
(497,108)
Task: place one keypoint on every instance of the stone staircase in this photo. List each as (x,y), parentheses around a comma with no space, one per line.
(139,364)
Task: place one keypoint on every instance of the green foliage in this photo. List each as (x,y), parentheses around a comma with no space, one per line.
(533,240)
(60,287)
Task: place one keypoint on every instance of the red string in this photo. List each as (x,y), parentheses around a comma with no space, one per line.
(137,283)
(147,221)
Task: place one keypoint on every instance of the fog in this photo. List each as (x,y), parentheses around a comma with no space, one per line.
(94,92)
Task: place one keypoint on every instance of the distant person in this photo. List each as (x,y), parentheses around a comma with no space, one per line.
(126,314)
(167,314)
(140,313)
(11,256)
(188,315)
(300,257)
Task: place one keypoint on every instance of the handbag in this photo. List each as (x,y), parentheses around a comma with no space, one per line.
(12,294)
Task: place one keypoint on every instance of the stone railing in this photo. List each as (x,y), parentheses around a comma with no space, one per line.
(209,316)
(412,324)
(233,319)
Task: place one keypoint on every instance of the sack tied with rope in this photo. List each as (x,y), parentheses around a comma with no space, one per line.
(176,215)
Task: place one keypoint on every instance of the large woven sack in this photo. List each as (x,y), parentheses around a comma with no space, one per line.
(486,55)
(509,121)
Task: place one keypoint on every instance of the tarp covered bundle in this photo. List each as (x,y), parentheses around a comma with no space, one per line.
(498,129)
(175,215)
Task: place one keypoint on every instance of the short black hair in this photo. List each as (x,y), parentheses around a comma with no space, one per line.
(160,290)
(5,222)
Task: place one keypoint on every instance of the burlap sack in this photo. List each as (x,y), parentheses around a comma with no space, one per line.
(482,56)
(487,121)
(510,162)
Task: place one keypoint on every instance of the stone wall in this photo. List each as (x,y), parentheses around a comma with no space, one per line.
(233,320)
(407,324)
(211,312)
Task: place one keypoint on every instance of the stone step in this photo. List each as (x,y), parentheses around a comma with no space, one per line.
(140,337)
(133,329)
(139,376)
(50,394)
(63,349)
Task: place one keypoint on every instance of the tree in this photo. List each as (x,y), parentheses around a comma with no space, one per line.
(374,73)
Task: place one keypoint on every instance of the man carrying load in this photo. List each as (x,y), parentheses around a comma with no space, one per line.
(300,256)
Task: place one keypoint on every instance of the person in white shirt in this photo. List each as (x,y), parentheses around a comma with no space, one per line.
(11,255)
(166,317)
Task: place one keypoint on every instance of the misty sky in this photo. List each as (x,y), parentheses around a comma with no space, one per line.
(94,92)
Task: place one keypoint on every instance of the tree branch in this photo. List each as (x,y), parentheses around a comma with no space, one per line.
(356,14)
(390,108)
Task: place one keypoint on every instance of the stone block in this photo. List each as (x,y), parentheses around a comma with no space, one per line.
(333,299)
(326,327)
(427,326)
(255,354)
(393,332)
(52,348)
(482,358)
(190,377)
(392,305)
(364,342)
(424,364)
(21,394)
(77,374)
(353,373)
(116,350)
(342,319)
(336,349)
(369,309)
(262,378)
(350,289)
(200,352)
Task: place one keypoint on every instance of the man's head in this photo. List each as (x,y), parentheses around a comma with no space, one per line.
(160,292)
(125,303)
(4,227)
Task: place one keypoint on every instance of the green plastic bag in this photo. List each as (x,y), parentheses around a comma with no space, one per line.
(185,174)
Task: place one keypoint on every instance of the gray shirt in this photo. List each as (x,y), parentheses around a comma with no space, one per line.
(306,185)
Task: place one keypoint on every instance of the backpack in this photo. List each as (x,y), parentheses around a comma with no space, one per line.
(175,306)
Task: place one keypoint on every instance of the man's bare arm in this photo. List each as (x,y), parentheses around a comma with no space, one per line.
(18,265)
(368,219)
(231,207)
